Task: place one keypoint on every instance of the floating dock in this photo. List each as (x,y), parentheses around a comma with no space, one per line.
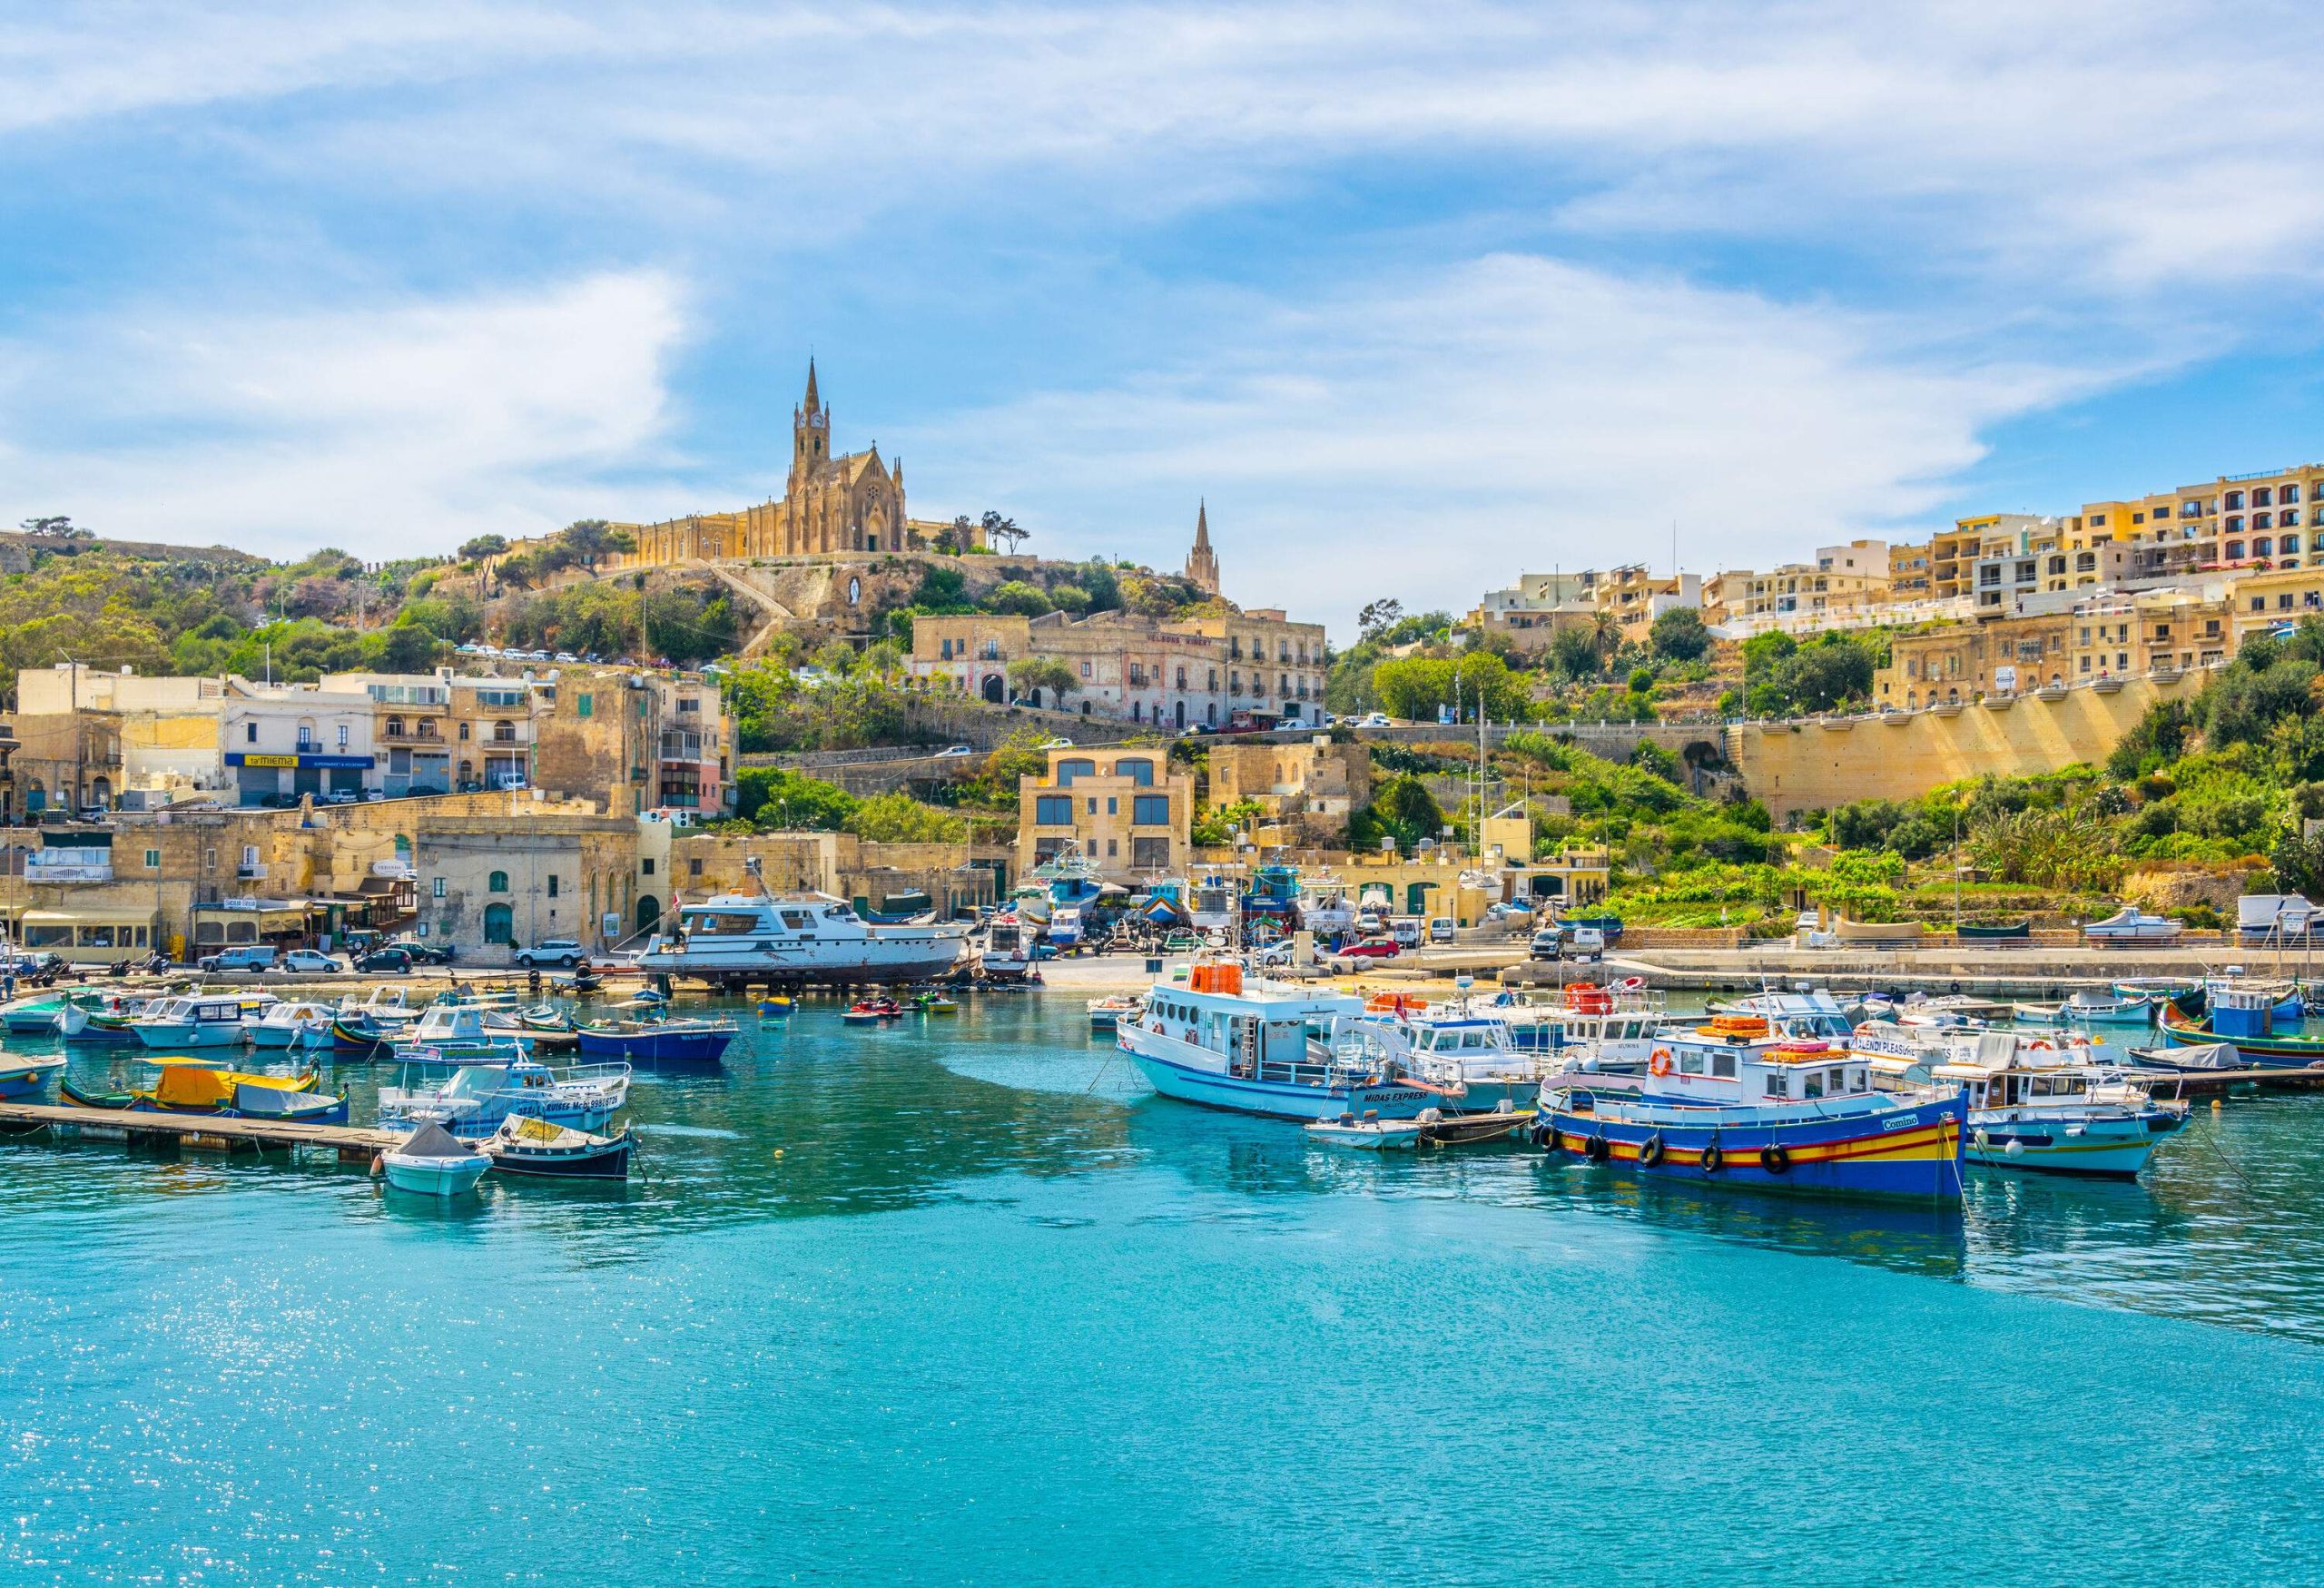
(353,1143)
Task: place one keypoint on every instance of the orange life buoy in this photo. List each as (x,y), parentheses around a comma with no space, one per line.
(1662,1061)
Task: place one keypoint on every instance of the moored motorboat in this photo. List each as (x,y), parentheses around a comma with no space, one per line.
(452,1034)
(2133,925)
(1366,1133)
(200,1021)
(1468,1129)
(23,1077)
(934,1003)
(2108,1009)
(432,1162)
(779,1007)
(1108,1013)
(304,1026)
(870,1011)
(98,1015)
(2245,1018)
(188,1086)
(658,1039)
(476,1097)
(2035,1106)
(35,1015)
(535,1147)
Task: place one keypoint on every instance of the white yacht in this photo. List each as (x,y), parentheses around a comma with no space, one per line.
(737,939)
(291,1025)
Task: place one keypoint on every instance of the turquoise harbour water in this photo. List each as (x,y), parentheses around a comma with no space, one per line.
(995,1315)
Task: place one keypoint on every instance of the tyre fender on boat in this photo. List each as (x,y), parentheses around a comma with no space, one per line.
(1775,1158)
(1595,1149)
(1650,1153)
(1713,1159)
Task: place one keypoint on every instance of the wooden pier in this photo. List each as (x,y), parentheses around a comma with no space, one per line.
(353,1143)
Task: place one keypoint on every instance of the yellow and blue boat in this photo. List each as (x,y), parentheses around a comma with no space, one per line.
(1731,1103)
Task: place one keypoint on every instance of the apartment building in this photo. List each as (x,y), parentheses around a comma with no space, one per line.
(1634,598)
(1171,673)
(1909,574)
(2270,518)
(1125,811)
(1957,663)
(1530,614)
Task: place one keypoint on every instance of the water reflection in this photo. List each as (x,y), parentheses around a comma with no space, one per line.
(812,1118)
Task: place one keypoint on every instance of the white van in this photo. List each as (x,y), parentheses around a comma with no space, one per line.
(1405,931)
(1440,930)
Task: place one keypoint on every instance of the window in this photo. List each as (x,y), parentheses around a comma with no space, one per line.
(1113,806)
(436,887)
(584,705)
(1138,772)
(249,732)
(694,868)
(553,885)
(1149,854)
(464,732)
(1053,810)
(1151,811)
(645,866)
(1690,1061)
(1093,804)
(152,860)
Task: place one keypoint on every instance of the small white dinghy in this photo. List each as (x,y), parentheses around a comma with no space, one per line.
(433,1162)
(1370,1133)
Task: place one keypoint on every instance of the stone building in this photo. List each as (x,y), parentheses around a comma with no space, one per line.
(488,884)
(1202,562)
(1311,787)
(831,502)
(1124,811)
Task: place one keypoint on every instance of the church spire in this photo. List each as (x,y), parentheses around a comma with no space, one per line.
(811,403)
(1202,563)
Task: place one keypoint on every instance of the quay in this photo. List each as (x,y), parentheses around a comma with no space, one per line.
(353,1143)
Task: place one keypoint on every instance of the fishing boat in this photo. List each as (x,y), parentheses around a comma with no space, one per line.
(651,1036)
(448,1034)
(779,1007)
(202,1021)
(2130,925)
(473,1100)
(2037,1015)
(304,1026)
(1605,1026)
(737,939)
(2160,989)
(534,1148)
(34,1014)
(1458,1052)
(432,1162)
(22,1076)
(1370,1133)
(1768,1114)
(1466,1130)
(1806,1011)
(1261,1046)
(1107,1013)
(190,1087)
(2038,1107)
(1004,949)
(358,1035)
(2013,931)
(99,1015)
(2288,1005)
(2195,1058)
(385,1007)
(869,1011)
(2246,1019)
(546,1018)
(2089,1008)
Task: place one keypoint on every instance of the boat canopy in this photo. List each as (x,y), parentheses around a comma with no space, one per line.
(194,1085)
(432,1141)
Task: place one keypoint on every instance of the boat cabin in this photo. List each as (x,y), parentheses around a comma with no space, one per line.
(1734,1059)
(1262,1029)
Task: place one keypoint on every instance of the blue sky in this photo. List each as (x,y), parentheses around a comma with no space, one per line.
(1417,297)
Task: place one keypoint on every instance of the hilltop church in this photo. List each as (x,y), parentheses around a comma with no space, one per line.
(831,502)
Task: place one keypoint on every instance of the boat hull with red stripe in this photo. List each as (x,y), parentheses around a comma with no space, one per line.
(1907,1148)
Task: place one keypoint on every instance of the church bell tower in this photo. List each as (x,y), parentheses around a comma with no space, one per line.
(1202,563)
(811,432)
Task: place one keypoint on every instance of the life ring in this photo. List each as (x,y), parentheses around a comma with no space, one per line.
(1651,1152)
(1596,1150)
(2040,1044)
(1712,1159)
(1775,1158)
(1660,1063)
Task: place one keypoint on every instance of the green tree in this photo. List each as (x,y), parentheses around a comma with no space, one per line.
(1401,808)
(1680,635)
(589,541)
(1021,598)
(483,546)
(896,817)
(1029,674)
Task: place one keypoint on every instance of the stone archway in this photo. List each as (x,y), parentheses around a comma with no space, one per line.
(994,689)
(649,913)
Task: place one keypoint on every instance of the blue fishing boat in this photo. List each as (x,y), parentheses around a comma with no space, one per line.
(658,1041)
(2244,1017)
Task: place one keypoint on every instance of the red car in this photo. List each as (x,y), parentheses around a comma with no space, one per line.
(1372,948)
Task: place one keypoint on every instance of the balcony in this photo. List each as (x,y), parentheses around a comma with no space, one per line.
(72,866)
(681,747)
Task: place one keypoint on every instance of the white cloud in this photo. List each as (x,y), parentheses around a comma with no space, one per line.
(1432,438)
(2118,146)
(389,432)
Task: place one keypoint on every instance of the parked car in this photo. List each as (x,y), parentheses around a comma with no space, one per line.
(94,812)
(432,952)
(951,750)
(252,957)
(313,961)
(555,950)
(1057,745)
(1376,719)
(385,963)
(1585,942)
(1440,930)
(1372,948)
(1548,941)
(1405,929)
